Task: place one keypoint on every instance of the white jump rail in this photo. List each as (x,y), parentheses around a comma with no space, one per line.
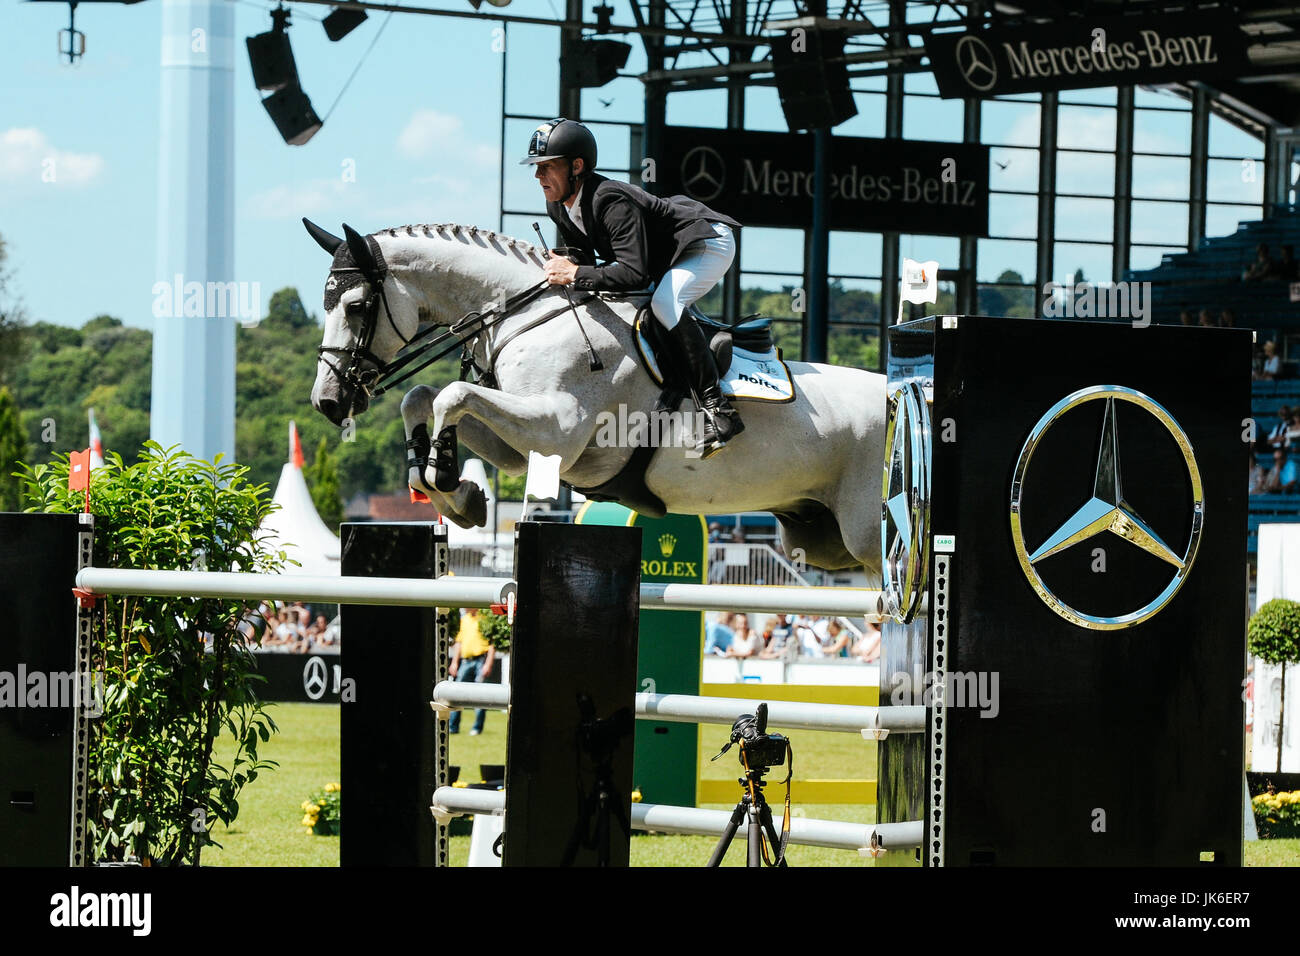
(686,709)
(662,818)
(830,602)
(466,591)
(405,592)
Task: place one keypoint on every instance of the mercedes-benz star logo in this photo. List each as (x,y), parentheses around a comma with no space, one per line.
(1106,509)
(905,502)
(315,678)
(978,65)
(703,173)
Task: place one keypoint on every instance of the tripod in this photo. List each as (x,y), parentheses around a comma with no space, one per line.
(753,807)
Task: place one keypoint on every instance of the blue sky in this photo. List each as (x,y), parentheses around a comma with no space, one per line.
(420,124)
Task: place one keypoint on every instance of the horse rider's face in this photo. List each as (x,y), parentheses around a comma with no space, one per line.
(553,175)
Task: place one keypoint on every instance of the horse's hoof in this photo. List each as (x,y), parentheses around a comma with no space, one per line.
(476,505)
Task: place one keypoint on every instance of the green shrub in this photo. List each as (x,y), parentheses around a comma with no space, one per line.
(495,630)
(176,671)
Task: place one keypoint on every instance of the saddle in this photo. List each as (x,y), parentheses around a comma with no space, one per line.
(749,368)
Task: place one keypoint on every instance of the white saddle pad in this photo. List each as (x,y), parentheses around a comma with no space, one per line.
(753,377)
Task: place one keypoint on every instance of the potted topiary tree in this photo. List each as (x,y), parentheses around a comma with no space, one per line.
(1274,634)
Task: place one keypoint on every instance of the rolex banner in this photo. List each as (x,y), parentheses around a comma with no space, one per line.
(766,179)
(1083,52)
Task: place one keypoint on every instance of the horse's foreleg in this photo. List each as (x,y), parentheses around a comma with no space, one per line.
(417,409)
(551,424)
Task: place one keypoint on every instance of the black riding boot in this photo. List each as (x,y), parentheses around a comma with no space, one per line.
(721,421)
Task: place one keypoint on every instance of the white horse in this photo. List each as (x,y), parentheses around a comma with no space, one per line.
(815,462)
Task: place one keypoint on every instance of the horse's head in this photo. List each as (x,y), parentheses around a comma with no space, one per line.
(366,322)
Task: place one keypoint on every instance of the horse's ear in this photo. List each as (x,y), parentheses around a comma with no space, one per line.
(361,254)
(330,243)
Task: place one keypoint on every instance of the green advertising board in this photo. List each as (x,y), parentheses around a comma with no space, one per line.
(674,550)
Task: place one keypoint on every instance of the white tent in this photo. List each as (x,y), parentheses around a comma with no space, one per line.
(1279,577)
(295,526)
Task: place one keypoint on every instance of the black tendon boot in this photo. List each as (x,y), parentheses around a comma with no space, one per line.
(721,421)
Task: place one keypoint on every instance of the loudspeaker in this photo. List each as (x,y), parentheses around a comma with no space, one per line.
(271,60)
(593,63)
(291,111)
(342,21)
(814,93)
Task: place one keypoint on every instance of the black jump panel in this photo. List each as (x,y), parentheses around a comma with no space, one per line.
(387,728)
(1091,650)
(38,670)
(572,688)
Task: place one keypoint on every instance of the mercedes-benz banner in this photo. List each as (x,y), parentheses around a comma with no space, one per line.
(766,179)
(1081,52)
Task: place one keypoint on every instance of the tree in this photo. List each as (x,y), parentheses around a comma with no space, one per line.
(13,451)
(1274,633)
(287,311)
(323,481)
(12,324)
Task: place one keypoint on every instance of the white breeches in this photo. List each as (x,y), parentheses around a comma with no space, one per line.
(702,264)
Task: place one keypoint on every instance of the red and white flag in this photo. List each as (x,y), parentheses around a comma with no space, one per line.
(295,447)
(96,444)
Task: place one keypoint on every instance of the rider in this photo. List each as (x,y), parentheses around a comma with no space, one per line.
(680,244)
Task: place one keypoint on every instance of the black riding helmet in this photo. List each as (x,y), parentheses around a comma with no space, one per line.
(562,139)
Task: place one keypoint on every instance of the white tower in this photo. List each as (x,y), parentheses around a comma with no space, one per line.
(194,355)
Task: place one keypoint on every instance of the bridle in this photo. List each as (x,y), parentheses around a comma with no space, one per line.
(366,372)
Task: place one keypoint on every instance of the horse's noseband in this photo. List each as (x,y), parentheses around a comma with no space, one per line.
(364,369)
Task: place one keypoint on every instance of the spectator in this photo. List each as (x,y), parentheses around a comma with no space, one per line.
(472,657)
(805,631)
(1185,317)
(1263,267)
(1286,267)
(1284,476)
(1258,475)
(715,532)
(1206,321)
(782,645)
(747,642)
(1227,319)
(1272,362)
(718,636)
(1292,439)
(1277,437)
(868,646)
(836,643)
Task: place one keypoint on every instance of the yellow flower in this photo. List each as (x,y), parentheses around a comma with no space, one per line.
(308,805)
(332,787)
(321,802)
(308,822)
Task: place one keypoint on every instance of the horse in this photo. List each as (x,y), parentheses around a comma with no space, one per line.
(814,462)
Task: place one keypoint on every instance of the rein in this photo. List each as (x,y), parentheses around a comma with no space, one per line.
(463,335)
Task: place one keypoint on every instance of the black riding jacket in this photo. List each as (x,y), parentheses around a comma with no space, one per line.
(639,235)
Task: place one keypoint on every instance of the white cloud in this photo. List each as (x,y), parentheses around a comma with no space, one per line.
(27,156)
(429,134)
(314,197)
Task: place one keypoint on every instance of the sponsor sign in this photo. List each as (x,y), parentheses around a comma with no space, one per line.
(766,179)
(1085,52)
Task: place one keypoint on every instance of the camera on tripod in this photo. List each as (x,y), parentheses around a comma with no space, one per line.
(758,748)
